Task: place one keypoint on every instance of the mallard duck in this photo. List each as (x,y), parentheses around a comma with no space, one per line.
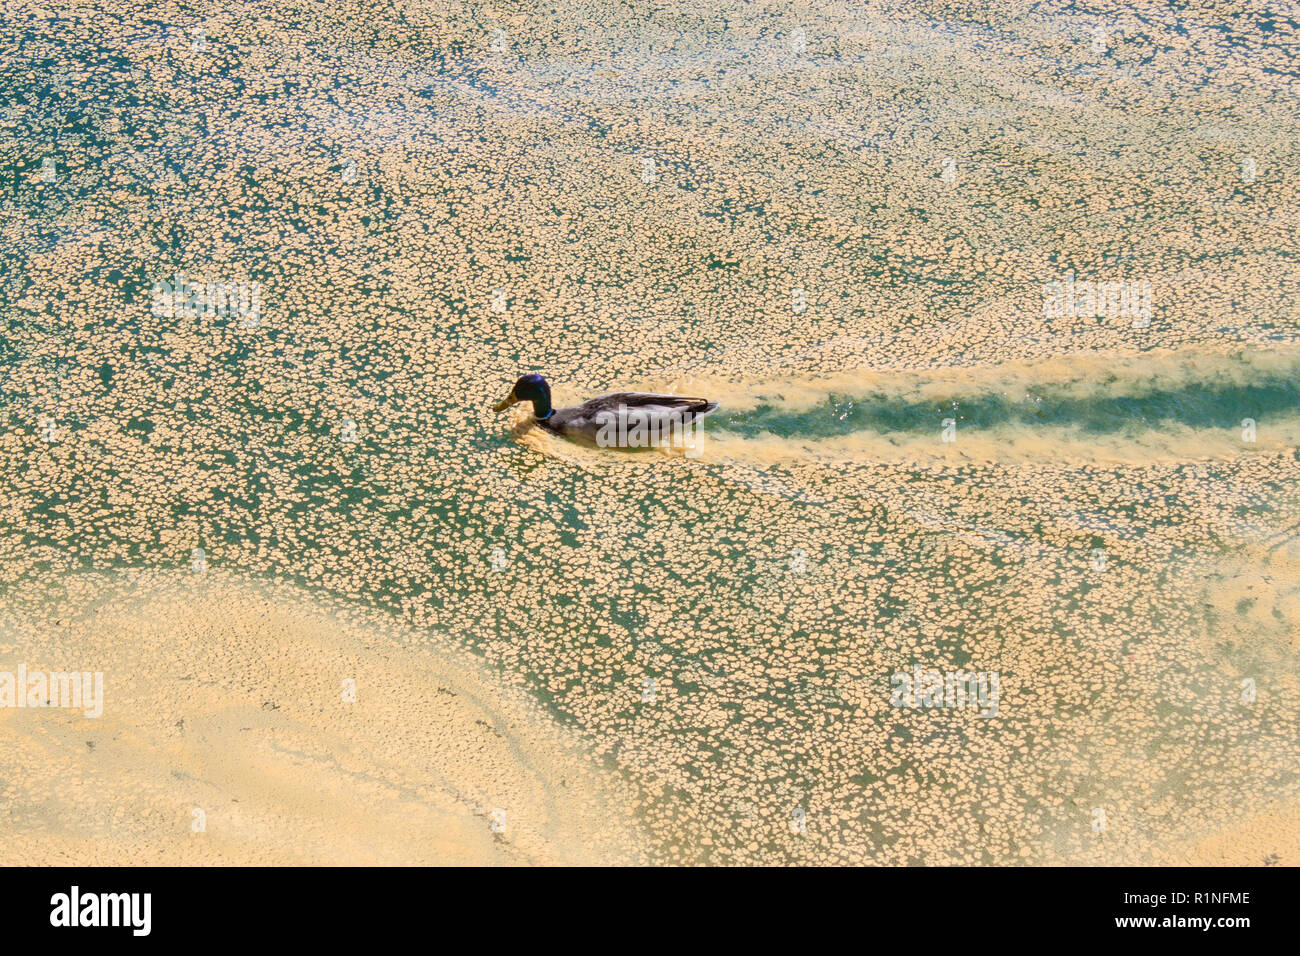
(615,420)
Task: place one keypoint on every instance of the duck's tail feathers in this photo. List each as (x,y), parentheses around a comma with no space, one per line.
(700,407)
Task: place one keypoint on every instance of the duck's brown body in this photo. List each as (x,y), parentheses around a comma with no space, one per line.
(643,414)
(616,419)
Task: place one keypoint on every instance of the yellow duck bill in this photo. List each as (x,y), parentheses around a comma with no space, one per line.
(506,402)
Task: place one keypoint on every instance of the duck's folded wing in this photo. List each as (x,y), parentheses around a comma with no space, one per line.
(650,401)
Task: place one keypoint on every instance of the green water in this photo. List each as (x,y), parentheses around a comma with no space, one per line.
(771,594)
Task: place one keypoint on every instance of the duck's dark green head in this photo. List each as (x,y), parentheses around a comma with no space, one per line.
(529,388)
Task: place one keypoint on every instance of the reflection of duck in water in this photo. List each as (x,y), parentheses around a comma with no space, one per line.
(618,419)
